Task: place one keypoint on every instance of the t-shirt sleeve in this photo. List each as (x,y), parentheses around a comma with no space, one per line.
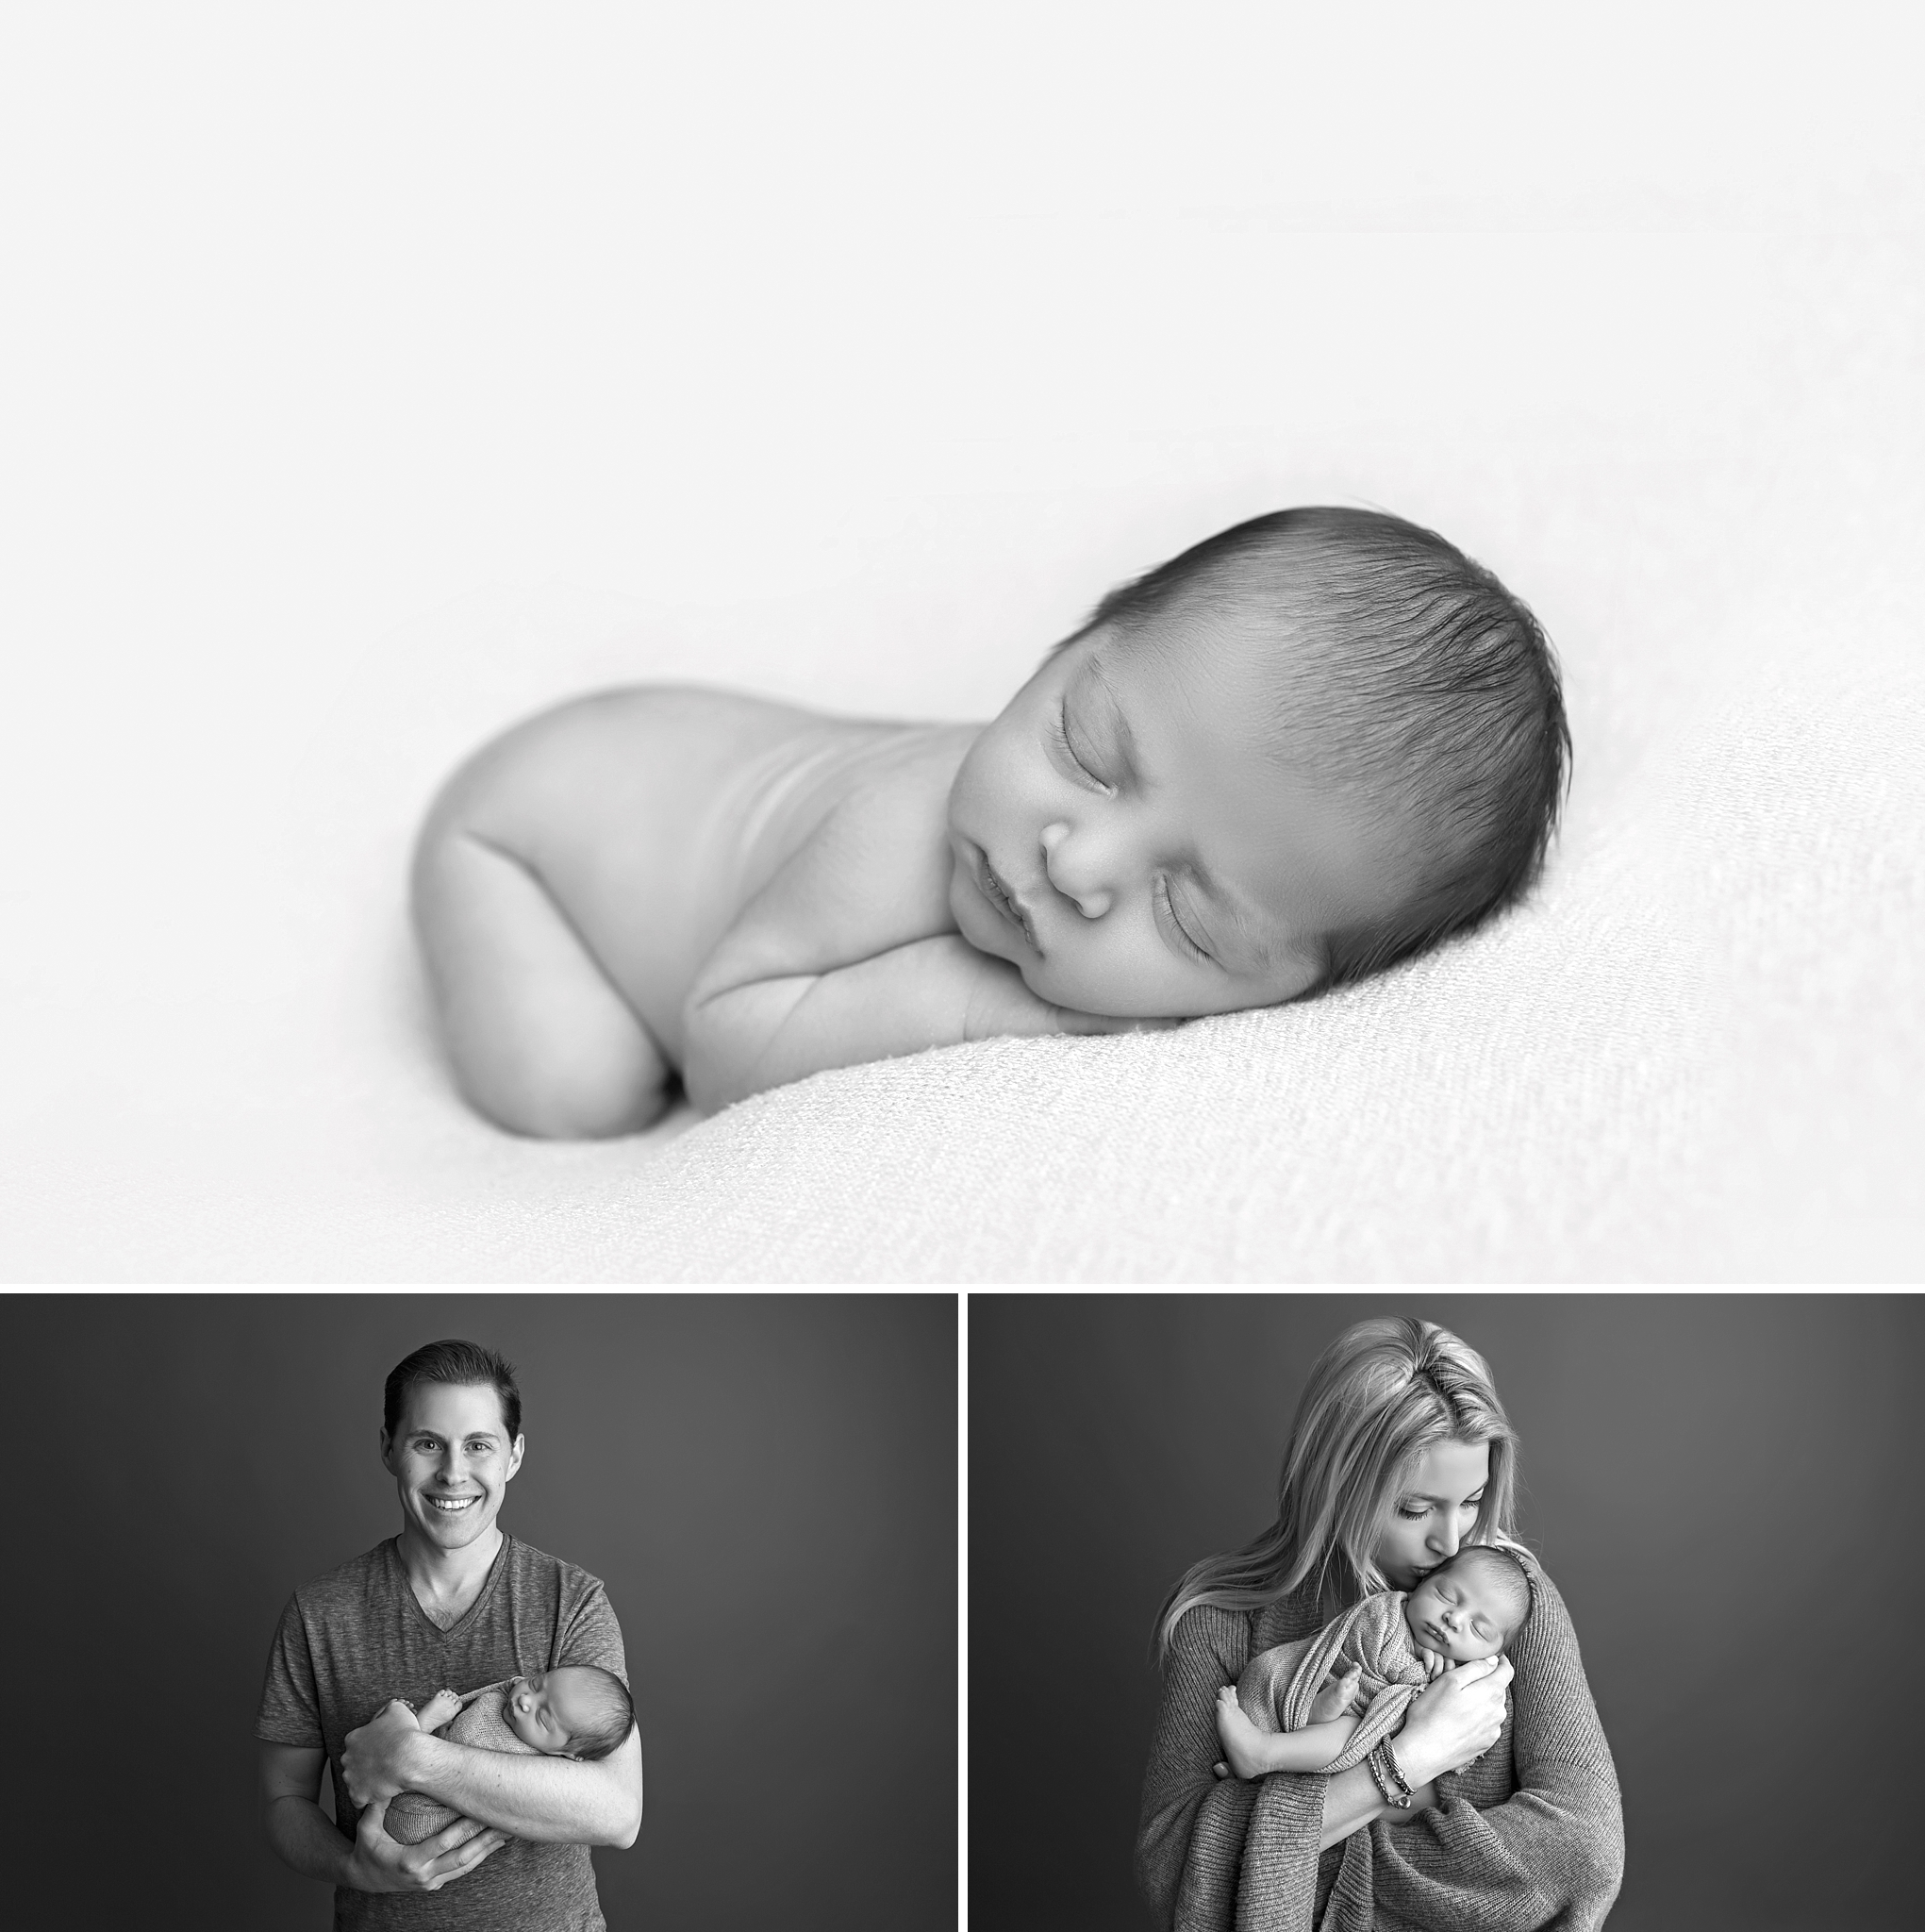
(290,1706)
(590,1634)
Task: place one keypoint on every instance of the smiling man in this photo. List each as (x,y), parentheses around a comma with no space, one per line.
(454,1603)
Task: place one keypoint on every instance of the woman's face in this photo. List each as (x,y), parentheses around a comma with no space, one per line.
(1432,1512)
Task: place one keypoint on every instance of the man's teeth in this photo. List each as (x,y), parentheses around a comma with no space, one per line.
(449,1504)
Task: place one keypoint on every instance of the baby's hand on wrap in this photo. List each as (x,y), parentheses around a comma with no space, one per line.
(1336,1696)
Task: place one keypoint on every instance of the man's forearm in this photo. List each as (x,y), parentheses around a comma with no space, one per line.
(306,1838)
(543,1800)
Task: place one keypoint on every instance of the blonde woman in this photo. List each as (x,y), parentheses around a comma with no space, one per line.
(1400,1454)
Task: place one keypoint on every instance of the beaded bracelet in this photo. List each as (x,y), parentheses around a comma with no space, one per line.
(1389,1779)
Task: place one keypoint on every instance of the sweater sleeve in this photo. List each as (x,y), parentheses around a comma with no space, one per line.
(1196,1830)
(1549,1859)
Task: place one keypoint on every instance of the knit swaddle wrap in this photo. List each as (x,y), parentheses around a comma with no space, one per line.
(1278,1686)
(411,1815)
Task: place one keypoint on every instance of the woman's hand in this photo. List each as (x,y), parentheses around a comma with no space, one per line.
(1457,1717)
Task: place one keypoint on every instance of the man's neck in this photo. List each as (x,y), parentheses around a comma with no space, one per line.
(445,1582)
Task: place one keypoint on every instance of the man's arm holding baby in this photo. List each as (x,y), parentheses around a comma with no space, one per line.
(850,954)
(305,1838)
(543,1800)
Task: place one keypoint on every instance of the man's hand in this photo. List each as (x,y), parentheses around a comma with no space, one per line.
(374,1759)
(381,1863)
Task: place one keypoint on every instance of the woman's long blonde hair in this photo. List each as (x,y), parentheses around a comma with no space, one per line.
(1381,1394)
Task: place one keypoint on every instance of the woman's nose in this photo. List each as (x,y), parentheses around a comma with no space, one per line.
(1071,873)
(1445,1540)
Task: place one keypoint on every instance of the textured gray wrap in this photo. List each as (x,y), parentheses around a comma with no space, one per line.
(412,1815)
(1278,1687)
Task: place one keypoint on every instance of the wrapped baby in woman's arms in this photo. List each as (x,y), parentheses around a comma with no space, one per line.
(1326,1702)
(1309,747)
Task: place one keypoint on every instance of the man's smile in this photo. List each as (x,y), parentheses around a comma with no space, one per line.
(453,1505)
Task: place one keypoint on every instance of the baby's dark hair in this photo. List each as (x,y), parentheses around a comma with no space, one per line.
(606,1696)
(1433,694)
(1509,1582)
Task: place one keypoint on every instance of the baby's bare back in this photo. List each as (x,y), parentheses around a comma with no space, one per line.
(653,815)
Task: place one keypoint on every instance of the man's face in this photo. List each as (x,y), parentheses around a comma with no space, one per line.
(451,1461)
(1125,836)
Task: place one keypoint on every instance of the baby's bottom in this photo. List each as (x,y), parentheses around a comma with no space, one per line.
(540,1041)
(410,1818)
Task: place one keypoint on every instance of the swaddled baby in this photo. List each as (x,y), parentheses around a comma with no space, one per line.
(1324,1703)
(1311,746)
(575,1710)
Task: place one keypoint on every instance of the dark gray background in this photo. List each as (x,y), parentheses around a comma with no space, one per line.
(1725,1489)
(767,1485)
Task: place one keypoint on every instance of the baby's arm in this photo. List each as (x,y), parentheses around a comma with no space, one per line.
(1251,1752)
(848,955)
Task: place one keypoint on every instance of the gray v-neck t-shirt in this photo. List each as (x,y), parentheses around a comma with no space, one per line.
(356,1636)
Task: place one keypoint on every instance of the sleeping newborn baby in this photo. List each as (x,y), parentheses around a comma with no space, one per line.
(1309,747)
(1295,1707)
(574,1710)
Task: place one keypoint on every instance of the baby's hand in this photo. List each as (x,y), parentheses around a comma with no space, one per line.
(1434,1664)
(1336,1696)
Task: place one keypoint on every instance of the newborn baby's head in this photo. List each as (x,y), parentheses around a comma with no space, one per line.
(575,1710)
(1307,748)
(1470,1606)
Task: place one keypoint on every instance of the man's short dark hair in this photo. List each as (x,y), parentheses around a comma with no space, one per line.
(1509,1581)
(613,1718)
(1431,690)
(467,1365)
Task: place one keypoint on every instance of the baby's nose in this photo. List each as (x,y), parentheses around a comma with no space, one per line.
(1068,874)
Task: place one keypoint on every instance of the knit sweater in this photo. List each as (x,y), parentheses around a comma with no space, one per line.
(1530,1835)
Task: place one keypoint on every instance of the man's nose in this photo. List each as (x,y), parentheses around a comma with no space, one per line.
(1073,871)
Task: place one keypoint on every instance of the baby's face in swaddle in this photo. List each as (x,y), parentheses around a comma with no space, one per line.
(549,1709)
(1460,1613)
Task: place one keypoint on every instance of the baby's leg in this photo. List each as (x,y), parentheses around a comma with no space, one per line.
(541,1042)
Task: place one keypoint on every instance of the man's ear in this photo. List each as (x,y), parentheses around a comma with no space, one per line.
(515,1457)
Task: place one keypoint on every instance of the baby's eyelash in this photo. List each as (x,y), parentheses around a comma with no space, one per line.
(1170,906)
(1059,731)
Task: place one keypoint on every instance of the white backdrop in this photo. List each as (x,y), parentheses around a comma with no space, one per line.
(374,375)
